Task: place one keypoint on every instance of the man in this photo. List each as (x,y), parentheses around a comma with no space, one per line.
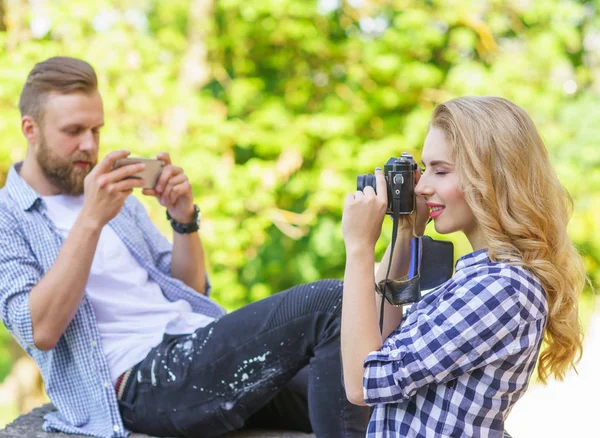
(119,320)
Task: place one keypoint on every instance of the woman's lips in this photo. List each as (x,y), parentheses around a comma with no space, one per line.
(435,210)
(435,214)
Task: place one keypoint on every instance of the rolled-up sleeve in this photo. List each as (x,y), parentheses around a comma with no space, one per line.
(20,273)
(467,328)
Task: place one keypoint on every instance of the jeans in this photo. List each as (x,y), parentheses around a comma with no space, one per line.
(273,363)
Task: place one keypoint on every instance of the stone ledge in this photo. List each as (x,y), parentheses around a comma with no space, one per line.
(30,426)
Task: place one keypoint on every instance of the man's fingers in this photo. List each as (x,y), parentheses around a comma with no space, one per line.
(126,184)
(178,191)
(124,172)
(149,192)
(164,156)
(168,172)
(110,159)
(177,179)
(176,183)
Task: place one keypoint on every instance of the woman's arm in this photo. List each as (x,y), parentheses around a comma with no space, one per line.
(360,329)
(361,225)
(364,212)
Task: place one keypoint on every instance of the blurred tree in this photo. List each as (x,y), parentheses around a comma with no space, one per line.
(2,16)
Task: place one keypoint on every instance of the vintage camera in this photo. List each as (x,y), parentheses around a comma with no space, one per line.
(400,175)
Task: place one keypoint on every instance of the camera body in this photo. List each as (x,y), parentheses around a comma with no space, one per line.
(400,175)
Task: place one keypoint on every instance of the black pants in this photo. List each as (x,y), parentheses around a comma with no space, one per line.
(246,369)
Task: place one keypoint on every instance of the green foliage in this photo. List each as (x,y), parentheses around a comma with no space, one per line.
(6,358)
(301,97)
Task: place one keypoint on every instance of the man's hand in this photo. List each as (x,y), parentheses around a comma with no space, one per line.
(105,189)
(173,191)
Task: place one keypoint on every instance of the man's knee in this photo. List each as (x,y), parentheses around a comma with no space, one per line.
(320,296)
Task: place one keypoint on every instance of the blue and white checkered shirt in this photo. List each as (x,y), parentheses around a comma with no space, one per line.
(462,356)
(75,371)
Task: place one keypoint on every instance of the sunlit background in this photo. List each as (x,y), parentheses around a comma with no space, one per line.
(273,107)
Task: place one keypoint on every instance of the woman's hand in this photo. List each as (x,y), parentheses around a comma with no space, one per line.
(363,215)
(419,217)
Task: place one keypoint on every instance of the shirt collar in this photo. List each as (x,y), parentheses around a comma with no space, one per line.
(475,258)
(21,192)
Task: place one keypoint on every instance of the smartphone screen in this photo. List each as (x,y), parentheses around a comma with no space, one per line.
(149,175)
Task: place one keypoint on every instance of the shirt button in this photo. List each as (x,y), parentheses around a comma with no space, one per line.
(106,385)
(94,344)
(116,428)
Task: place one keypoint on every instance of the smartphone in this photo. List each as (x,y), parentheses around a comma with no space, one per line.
(149,175)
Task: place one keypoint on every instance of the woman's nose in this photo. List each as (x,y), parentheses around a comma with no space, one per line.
(422,188)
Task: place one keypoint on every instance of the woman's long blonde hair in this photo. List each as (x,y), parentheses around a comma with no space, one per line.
(522,209)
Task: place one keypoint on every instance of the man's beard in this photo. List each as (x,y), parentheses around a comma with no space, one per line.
(61,172)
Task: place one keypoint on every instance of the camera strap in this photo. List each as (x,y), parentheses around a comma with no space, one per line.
(431,264)
(383,287)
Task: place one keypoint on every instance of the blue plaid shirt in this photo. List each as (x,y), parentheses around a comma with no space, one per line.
(75,371)
(462,356)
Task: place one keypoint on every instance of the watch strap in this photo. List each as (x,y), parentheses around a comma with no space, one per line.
(188,228)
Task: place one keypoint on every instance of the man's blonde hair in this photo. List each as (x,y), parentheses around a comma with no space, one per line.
(61,75)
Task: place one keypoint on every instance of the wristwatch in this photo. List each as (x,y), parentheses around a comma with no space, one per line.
(190,227)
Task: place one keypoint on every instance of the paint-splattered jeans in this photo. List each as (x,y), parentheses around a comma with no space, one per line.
(239,372)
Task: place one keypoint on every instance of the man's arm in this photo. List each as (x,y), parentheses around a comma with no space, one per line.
(187,262)
(174,192)
(55,299)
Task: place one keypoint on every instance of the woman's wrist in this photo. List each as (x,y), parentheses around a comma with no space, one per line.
(357,250)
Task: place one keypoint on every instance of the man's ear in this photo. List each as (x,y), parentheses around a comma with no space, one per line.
(30,129)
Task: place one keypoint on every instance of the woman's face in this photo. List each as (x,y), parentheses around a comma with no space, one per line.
(439,186)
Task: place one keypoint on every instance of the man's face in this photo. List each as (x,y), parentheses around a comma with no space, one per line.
(68,139)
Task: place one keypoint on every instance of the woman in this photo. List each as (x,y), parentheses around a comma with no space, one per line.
(465,353)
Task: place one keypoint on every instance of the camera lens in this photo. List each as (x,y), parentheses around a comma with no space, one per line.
(363,181)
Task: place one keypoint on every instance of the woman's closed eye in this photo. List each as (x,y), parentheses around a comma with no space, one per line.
(435,171)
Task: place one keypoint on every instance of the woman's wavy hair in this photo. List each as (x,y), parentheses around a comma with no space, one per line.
(523,210)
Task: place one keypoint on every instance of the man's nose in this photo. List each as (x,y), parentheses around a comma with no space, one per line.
(89,142)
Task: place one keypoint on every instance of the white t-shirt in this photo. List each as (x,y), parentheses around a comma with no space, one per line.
(131,310)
